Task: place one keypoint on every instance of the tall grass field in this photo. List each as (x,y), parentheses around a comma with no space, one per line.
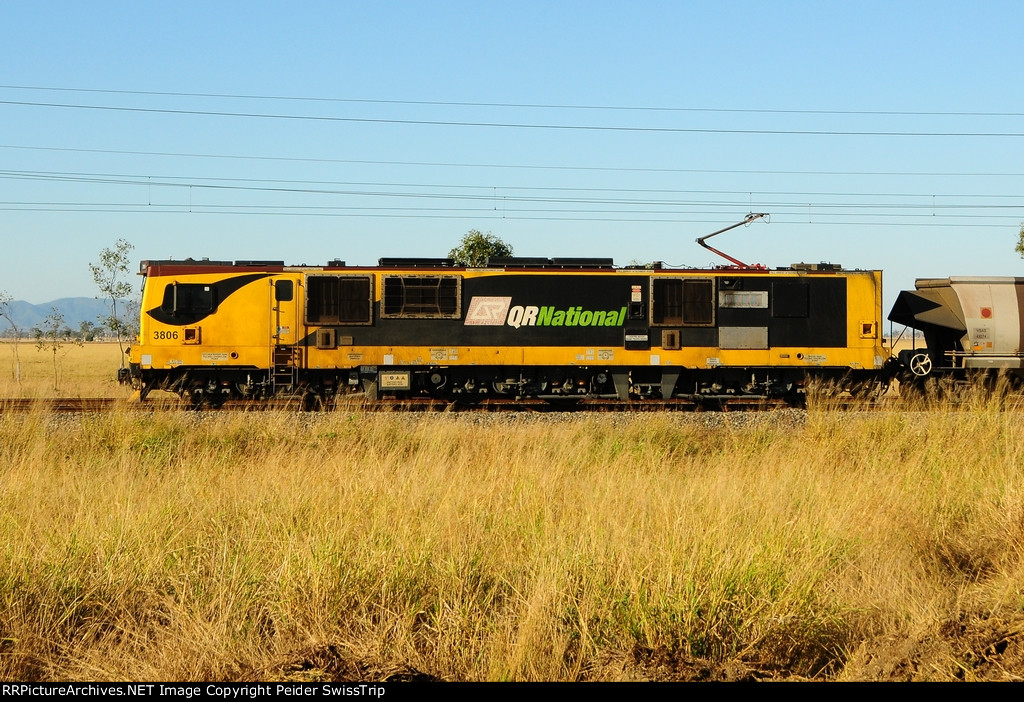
(75,370)
(830,545)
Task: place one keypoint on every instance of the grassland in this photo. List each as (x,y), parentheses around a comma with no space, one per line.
(85,370)
(145,545)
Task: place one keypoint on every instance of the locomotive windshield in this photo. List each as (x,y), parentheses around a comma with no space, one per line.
(188,299)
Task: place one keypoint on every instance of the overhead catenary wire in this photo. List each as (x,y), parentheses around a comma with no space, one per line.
(458,201)
(514,166)
(488,191)
(489,216)
(512,125)
(531,106)
(447,198)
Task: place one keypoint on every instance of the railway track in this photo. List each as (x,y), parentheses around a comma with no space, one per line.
(356,403)
(889,401)
(65,404)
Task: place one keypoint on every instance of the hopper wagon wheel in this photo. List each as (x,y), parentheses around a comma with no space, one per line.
(921,364)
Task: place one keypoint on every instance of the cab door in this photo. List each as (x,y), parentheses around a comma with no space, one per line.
(284,322)
(286,354)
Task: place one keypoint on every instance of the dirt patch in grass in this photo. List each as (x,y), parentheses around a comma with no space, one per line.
(330,663)
(968,649)
(971,649)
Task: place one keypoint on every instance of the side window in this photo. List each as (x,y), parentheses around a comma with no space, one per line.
(422,296)
(189,299)
(683,302)
(339,299)
(283,290)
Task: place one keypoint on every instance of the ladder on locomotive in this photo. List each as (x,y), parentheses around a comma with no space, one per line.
(284,368)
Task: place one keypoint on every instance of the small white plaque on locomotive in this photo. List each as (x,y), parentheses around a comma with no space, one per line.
(396,380)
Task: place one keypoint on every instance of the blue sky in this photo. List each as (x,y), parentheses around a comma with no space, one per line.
(878,135)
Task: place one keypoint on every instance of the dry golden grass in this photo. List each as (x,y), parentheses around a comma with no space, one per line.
(89,370)
(142,545)
(231,546)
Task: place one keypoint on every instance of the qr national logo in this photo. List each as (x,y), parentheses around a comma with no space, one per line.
(487,311)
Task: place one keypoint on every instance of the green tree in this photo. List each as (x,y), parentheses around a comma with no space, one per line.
(647,265)
(1020,241)
(7,313)
(110,275)
(475,248)
(87,331)
(52,336)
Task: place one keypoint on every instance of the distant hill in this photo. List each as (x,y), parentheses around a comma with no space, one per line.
(75,310)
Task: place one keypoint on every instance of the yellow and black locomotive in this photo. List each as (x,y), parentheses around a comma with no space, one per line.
(556,329)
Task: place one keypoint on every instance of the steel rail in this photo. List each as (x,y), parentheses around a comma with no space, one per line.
(356,402)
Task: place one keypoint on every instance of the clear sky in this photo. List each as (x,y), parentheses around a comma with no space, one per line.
(877,134)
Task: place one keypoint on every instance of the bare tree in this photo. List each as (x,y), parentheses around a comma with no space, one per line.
(110,275)
(7,313)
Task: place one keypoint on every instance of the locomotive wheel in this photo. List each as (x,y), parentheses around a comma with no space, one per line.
(819,390)
(921,364)
(194,397)
(313,401)
(920,390)
(370,390)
